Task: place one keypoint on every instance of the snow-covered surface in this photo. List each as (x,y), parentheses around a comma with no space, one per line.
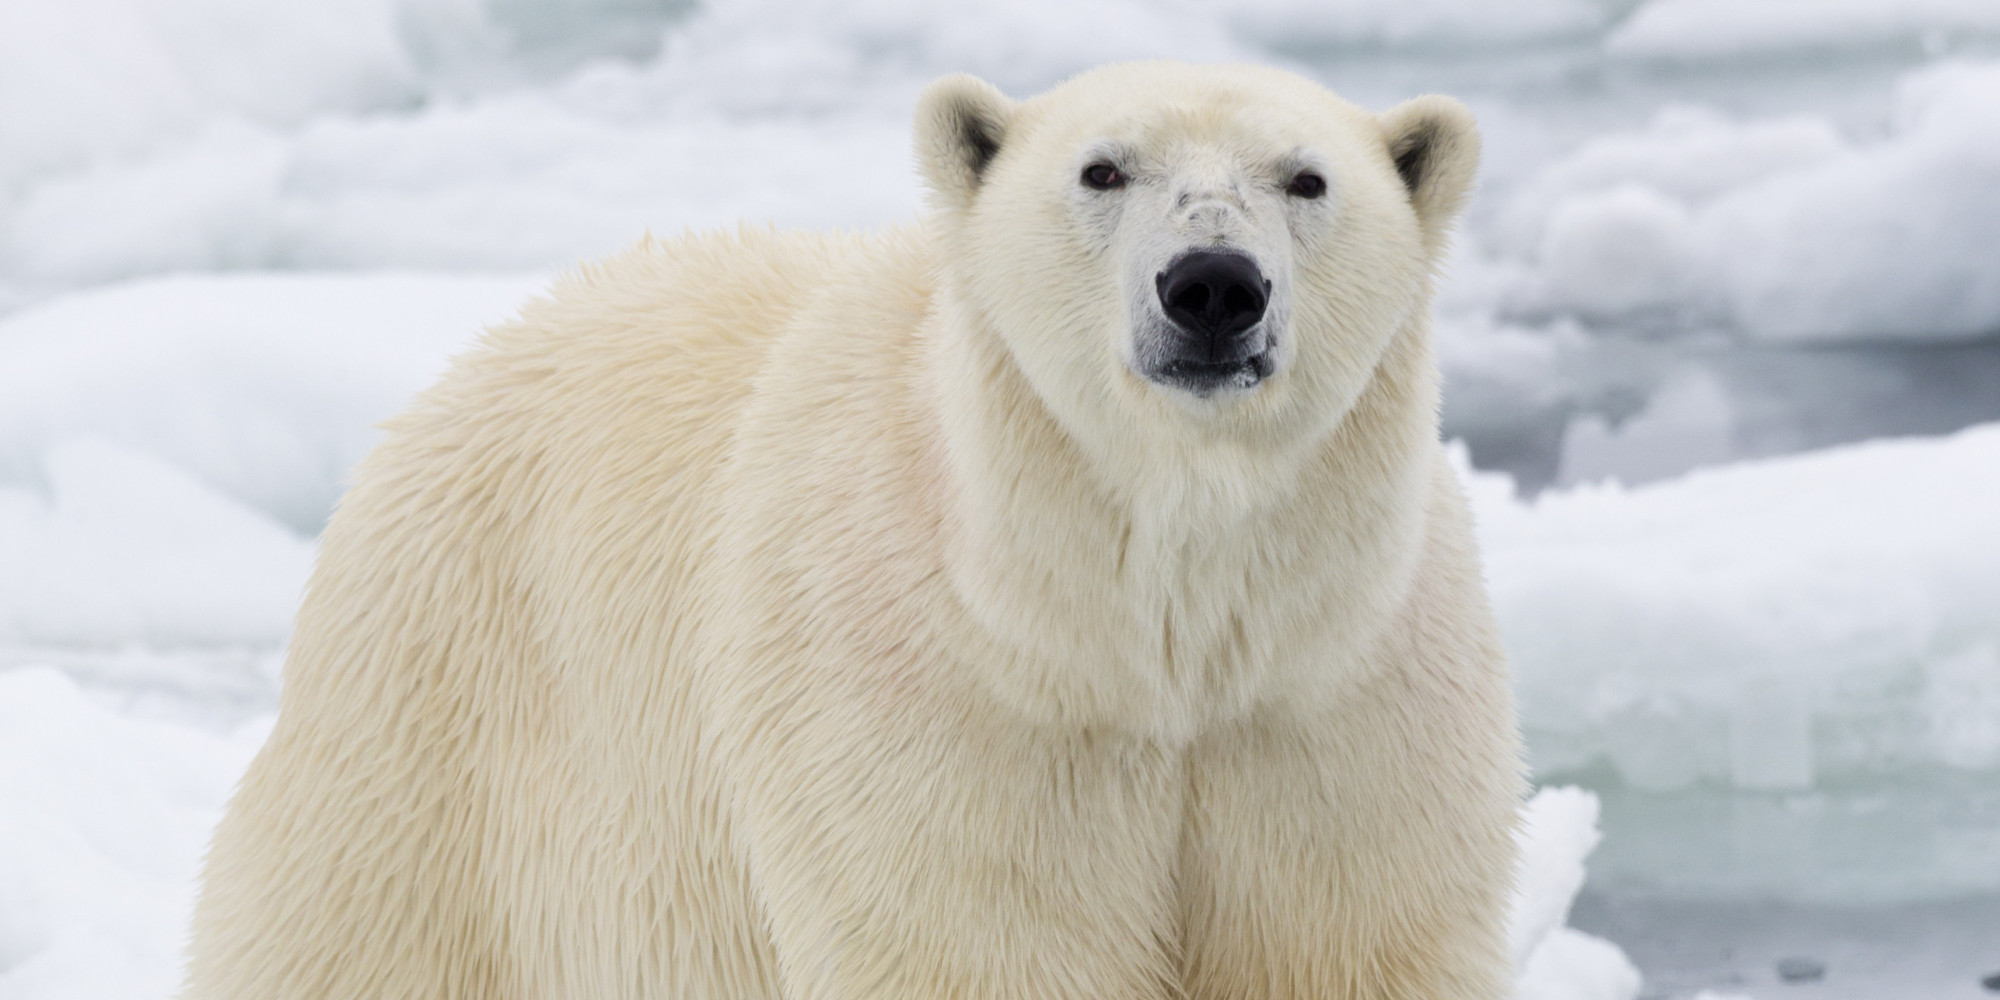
(443,133)
(1555,961)
(265,386)
(1779,228)
(1706,29)
(1787,673)
(103,819)
(235,234)
(169,447)
(125,548)
(1822,617)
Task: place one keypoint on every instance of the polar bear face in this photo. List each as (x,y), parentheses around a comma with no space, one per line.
(1222,251)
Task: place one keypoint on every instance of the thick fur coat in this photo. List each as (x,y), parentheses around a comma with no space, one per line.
(828,617)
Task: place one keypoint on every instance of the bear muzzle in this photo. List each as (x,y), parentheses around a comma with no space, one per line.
(1214,302)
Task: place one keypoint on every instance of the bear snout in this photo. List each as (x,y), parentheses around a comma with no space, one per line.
(1214,301)
(1216,297)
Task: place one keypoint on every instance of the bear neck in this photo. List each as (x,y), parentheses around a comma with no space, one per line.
(1166,611)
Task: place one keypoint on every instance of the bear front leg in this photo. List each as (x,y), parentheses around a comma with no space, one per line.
(1358,853)
(909,845)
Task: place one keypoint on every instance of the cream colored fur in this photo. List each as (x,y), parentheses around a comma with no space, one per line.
(819,617)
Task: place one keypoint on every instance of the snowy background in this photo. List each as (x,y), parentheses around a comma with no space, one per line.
(1721,334)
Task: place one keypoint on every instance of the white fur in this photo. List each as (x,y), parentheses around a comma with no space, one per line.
(829,617)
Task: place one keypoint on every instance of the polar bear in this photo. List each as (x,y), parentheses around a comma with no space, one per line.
(1063,596)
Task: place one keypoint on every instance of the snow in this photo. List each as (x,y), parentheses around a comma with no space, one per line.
(104,821)
(169,447)
(1572,965)
(517,183)
(1554,961)
(763,55)
(83,79)
(1781,229)
(263,386)
(1706,29)
(1444,24)
(1784,674)
(222,134)
(1893,239)
(1846,587)
(127,548)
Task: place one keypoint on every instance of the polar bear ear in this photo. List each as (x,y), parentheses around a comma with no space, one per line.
(1434,145)
(961,123)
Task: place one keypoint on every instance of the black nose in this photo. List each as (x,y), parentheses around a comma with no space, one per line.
(1213,295)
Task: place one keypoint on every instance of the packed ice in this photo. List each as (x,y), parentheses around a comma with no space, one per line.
(1780,229)
(1721,336)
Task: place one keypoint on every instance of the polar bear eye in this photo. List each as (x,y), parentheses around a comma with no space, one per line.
(1103,176)
(1306,185)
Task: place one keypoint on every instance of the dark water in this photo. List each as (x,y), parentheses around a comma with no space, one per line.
(1915,951)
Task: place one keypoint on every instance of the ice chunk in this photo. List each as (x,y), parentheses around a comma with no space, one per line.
(1623,253)
(1770,735)
(1554,962)
(1688,422)
(1417,24)
(103,818)
(1558,831)
(1962,698)
(1768,625)
(1686,155)
(81,80)
(531,181)
(264,387)
(1572,965)
(1896,239)
(128,549)
(1779,229)
(168,448)
(770,55)
(1741,28)
(210,205)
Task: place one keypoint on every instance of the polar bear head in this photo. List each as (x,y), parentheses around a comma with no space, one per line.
(1222,250)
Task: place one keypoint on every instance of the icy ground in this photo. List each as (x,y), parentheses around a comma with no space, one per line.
(1930,950)
(1739,237)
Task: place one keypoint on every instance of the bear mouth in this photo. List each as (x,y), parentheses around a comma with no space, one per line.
(1205,378)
